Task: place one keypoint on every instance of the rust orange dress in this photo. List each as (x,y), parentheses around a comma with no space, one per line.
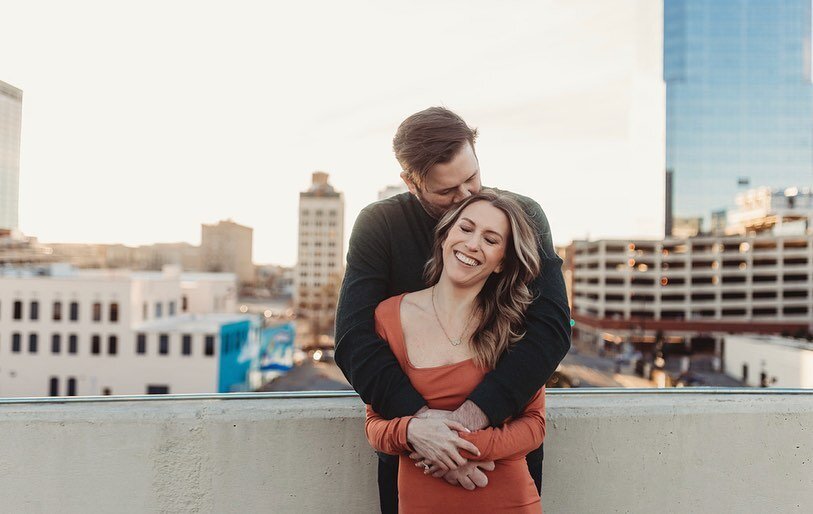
(510,486)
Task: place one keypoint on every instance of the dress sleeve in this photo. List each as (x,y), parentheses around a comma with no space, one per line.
(515,438)
(387,435)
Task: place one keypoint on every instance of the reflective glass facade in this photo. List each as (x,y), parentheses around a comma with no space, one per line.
(739,101)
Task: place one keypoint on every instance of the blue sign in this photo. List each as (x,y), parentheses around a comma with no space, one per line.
(277,345)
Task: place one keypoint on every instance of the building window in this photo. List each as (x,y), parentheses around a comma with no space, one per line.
(18,309)
(57,312)
(74,314)
(53,386)
(71,386)
(141,344)
(32,343)
(97,311)
(186,345)
(144,309)
(35,310)
(95,344)
(112,345)
(171,308)
(16,342)
(159,308)
(184,303)
(163,344)
(157,389)
(56,343)
(73,344)
(114,312)
(209,345)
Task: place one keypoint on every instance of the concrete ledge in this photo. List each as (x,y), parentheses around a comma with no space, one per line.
(608,451)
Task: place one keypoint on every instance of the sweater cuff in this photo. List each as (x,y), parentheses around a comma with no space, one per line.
(402,433)
(496,407)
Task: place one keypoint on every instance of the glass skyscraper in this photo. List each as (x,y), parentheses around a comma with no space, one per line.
(739,103)
(11,108)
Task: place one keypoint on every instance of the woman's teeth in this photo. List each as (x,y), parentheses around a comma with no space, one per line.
(466,260)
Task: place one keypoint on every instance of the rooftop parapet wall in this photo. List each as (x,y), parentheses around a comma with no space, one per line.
(606,451)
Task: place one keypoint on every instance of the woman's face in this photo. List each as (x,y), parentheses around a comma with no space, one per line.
(475,244)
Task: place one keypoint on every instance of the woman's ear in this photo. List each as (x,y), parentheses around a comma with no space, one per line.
(498,269)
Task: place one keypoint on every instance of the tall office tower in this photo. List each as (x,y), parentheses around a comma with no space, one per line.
(739,103)
(227,246)
(320,259)
(11,111)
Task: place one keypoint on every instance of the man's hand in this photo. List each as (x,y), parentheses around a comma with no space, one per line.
(437,440)
(470,416)
(470,476)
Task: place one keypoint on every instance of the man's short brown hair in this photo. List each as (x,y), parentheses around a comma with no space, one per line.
(429,137)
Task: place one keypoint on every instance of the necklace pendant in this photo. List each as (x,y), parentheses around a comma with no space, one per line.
(455,342)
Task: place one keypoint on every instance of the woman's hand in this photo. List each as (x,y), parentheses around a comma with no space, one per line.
(437,440)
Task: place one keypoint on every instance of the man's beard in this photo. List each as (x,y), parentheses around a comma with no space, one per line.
(432,210)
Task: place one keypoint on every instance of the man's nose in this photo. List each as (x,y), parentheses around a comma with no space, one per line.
(462,193)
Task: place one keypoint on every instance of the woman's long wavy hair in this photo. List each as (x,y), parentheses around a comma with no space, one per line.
(505,296)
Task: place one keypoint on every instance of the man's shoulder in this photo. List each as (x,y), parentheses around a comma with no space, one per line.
(383,217)
(396,204)
(529,205)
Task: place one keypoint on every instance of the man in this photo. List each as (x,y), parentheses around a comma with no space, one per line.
(389,246)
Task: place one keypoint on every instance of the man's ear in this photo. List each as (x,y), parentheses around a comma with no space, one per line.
(409,183)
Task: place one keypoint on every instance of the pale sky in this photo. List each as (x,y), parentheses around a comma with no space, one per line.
(142,120)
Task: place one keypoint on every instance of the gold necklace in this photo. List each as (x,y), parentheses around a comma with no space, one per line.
(454,342)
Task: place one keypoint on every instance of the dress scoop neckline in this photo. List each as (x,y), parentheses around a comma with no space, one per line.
(402,338)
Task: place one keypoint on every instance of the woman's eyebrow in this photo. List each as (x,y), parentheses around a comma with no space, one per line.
(463,218)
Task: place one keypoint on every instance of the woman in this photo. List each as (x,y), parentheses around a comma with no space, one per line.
(446,338)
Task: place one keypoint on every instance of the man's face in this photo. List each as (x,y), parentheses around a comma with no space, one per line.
(449,183)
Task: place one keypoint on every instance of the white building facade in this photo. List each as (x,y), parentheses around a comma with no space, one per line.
(320,261)
(769,361)
(11,109)
(95,332)
(392,190)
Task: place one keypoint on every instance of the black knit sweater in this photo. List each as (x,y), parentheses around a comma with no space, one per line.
(390,244)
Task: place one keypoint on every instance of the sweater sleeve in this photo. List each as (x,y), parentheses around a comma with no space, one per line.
(515,438)
(530,362)
(388,436)
(365,359)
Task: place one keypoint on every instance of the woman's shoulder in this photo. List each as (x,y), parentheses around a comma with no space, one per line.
(387,313)
(393,308)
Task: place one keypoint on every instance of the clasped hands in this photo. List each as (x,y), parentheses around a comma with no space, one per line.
(435,438)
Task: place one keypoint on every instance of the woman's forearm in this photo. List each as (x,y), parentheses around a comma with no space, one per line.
(516,437)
